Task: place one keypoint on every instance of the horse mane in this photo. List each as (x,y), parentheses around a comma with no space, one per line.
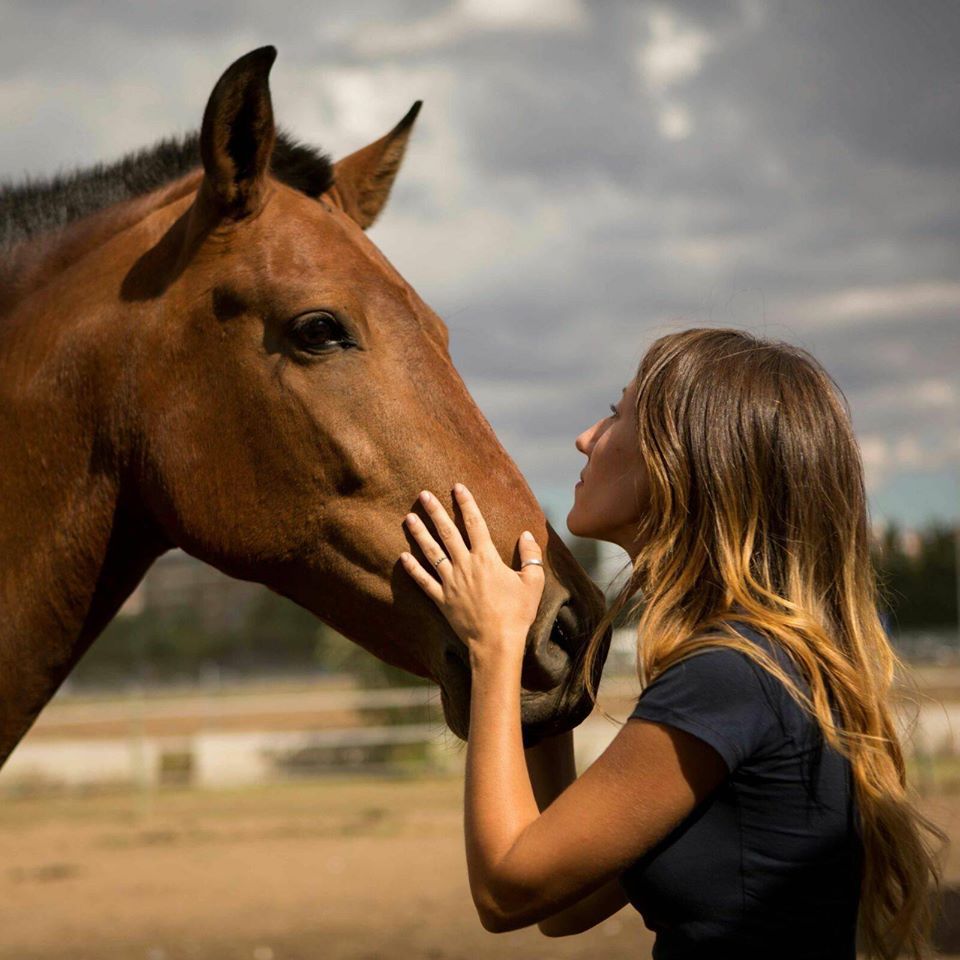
(37,206)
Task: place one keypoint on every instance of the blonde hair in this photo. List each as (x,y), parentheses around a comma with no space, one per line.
(757,513)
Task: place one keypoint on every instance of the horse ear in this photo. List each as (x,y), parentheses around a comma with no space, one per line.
(362,181)
(237,135)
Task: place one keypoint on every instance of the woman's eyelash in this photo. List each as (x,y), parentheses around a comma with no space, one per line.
(613,409)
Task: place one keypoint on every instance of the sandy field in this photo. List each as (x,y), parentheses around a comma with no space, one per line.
(345,868)
(340,868)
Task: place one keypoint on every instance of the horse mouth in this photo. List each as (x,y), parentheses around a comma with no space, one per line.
(455,685)
(551,698)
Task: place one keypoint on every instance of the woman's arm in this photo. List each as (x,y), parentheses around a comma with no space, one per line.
(552,769)
(524,866)
(586,913)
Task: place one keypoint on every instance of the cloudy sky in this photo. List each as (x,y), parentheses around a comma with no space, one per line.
(588,175)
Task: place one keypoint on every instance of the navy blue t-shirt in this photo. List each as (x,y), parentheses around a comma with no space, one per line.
(769,865)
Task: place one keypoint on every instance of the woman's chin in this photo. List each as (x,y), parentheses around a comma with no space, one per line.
(576,526)
(587,531)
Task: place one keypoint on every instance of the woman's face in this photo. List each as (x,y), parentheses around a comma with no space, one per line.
(609,498)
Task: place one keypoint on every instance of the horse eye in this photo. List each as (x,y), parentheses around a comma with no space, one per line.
(318,332)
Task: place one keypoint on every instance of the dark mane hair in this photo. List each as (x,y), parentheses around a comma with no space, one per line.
(33,207)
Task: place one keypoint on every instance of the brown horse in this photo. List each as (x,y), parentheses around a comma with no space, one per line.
(223,362)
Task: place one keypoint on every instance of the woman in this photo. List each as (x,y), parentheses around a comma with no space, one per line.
(754,804)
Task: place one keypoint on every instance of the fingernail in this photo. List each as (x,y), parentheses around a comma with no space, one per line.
(526,535)
(411,518)
(424,496)
(404,557)
(459,488)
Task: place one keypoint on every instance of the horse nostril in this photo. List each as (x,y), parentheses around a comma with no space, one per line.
(567,629)
(558,635)
(547,662)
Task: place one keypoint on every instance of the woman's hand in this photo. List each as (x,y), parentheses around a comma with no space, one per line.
(489,605)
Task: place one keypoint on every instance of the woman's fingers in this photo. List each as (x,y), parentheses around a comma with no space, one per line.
(421,577)
(473,520)
(445,527)
(531,560)
(476,591)
(432,550)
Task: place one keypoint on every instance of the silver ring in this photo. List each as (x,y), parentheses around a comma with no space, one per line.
(526,563)
(437,563)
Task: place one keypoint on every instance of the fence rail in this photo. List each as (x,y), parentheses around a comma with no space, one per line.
(72,712)
(227,738)
(137,740)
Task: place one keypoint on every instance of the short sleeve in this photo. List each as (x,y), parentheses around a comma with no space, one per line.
(716,695)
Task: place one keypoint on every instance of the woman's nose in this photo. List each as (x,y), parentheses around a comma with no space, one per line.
(584,443)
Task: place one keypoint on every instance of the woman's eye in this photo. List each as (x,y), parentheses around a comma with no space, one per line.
(613,409)
(318,332)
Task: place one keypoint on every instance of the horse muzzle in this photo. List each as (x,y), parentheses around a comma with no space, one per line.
(553,695)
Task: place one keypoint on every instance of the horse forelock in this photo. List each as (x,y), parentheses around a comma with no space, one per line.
(38,206)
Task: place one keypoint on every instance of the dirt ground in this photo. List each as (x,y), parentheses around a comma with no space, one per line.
(345,868)
(334,868)
(338,869)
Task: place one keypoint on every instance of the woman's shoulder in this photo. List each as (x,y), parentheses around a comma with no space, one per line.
(726,696)
(719,657)
(733,657)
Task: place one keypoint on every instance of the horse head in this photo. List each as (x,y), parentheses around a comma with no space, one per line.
(284,395)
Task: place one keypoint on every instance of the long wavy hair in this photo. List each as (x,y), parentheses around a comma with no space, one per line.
(757,513)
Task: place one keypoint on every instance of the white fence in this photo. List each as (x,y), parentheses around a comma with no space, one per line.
(246,738)
(84,743)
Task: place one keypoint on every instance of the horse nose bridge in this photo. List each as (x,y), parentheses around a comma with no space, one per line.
(547,657)
(583,596)
(555,594)
(570,609)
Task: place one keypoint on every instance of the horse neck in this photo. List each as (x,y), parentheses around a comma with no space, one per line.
(30,264)
(74,540)
(73,552)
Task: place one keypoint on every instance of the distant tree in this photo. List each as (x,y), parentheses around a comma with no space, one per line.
(272,635)
(919,588)
(343,656)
